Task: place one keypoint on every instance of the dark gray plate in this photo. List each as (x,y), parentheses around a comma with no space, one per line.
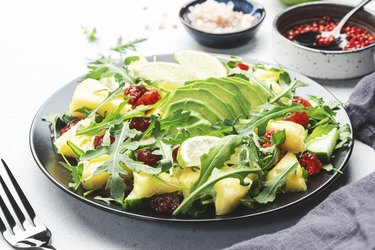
(47,159)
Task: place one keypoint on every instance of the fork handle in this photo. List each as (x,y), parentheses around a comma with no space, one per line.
(44,247)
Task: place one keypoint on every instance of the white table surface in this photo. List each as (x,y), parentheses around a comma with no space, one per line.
(42,48)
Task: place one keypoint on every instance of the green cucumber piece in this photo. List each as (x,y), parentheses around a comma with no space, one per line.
(322,141)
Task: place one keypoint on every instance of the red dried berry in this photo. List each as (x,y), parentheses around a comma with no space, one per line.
(298,117)
(70,125)
(134,92)
(146,156)
(311,162)
(98,141)
(242,66)
(140,124)
(164,203)
(129,186)
(174,154)
(302,101)
(148,98)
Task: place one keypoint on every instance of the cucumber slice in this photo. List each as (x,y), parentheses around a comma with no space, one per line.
(324,144)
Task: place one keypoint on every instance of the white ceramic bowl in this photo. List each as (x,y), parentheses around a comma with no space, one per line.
(320,63)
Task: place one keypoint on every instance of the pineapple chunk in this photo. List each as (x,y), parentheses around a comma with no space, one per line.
(146,185)
(90,93)
(90,182)
(295,135)
(81,141)
(187,177)
(295,181)
(229,192)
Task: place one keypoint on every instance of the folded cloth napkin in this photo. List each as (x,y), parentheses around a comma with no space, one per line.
(346,219)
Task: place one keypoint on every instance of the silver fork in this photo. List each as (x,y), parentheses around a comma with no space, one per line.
(22,231)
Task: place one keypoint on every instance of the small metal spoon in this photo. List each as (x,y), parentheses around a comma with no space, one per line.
(309,38)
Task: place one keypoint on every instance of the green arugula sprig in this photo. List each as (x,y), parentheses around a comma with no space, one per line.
(122,47)
(90,34)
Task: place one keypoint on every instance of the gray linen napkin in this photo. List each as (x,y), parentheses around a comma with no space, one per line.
(346,219)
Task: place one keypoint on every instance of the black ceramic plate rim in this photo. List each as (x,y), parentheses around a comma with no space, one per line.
(184,9)
(172,219)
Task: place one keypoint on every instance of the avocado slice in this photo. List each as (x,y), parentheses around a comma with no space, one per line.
(203,95)
(222,93)
(203,108)
(233,88)
(253,93)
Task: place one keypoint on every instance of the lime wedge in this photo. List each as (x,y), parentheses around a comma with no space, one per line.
(202,64)
(164,71)
(192,149)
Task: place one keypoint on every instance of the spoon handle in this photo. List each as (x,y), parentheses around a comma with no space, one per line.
(343,21)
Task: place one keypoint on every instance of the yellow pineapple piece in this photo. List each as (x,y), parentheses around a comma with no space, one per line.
(90,93)
(229,192)
(146,185)
(90,182)
(295,135)
(84,142)
(187,177)
(295,181)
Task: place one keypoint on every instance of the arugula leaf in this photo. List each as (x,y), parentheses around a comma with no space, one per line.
(163,149)
(122,47)
(271,186)
(259,119)
(112,165)
(345,136)
(216,157)
(112,119)
(107,200)
(76,173)
(289,91)
(206,188)
(77,151)
(90,34)
(130,59)
(53,120)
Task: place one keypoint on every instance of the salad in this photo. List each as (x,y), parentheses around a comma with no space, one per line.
(205,132)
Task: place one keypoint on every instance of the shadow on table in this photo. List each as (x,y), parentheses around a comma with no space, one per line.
(140,234)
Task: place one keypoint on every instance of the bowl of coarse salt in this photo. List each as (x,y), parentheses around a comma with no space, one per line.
(222,23)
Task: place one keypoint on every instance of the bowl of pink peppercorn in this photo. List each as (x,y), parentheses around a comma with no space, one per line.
(355,56)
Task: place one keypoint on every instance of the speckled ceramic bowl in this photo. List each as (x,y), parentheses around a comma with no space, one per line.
(320,63)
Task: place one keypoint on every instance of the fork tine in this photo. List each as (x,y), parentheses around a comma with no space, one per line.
(20,193)
(13,202)
(8,216)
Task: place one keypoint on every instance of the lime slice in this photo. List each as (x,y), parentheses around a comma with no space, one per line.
(192,149)
(164,71)
(202,64)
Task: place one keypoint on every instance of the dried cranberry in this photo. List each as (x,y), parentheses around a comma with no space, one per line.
(129,186)
(148,98)
(146,156)
(174,154)
(140,124)
(70,125)
(302,101)
(298,117)
(134,92)
(311,162)
(164,203)
(98,141)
